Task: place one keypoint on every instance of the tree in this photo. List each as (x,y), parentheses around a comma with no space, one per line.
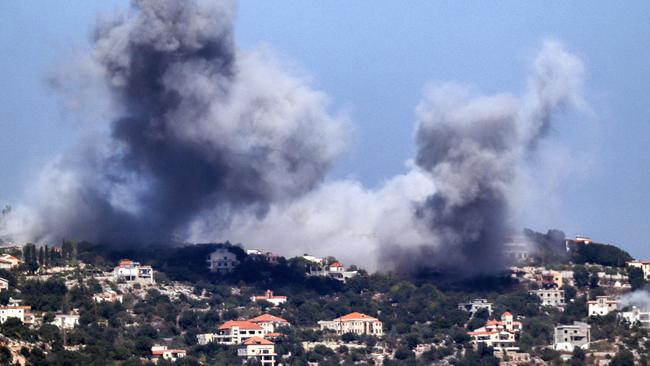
(579,357)
(636,277)
(623,358)
(580,276)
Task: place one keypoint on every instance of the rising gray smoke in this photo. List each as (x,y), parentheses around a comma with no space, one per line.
(473,147)
(200,125)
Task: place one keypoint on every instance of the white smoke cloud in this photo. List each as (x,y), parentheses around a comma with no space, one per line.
(638,298)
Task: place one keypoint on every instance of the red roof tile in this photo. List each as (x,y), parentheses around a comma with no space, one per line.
(265,318)
(257,341)
(243,324)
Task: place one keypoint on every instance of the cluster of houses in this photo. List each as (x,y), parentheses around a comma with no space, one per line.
(255,337)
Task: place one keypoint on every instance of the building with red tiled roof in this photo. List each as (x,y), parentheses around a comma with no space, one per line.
(500,334)
(158,352)
(270,322)
(260,349)
(270,297)
(237,331)
(8,261)
(357,323)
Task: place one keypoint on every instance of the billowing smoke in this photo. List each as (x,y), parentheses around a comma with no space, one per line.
(638,298)
(200,125)
(210,142)
(452,210)
(473,146)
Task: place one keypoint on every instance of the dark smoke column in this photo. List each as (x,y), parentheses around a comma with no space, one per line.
(202,127)
(474,148)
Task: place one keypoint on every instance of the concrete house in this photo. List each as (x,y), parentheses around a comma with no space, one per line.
(568,337)
(603,305)
(222,261)
(259,349)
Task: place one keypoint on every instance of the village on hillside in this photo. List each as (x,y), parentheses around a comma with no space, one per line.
(561,302)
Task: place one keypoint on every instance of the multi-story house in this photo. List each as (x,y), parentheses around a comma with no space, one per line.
(501,335)
(15,311)
(335,270)
(259,349)
(356,323)
(222,261)
(130,271)
(603,305)
(236,331)
(550,296)
(568,337)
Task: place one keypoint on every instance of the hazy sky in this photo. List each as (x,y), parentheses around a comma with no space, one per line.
(373,58)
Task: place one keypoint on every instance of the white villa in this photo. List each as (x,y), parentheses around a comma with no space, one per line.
(356,323)
(501,335)
(603,305)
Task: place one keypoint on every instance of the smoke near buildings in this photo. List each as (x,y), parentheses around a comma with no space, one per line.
(211,142)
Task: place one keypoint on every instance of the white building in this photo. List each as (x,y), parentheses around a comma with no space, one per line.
(643,265)
(498,334)
(550,297)
(222,261)
(158,352)
(130,271)
(314,260)
(567,337)
(258,348)
(268,296)
(636,316)
(8,261)
(4,284)
(270,322)
(108,296)
(235,332)
(335,270)
(66,321)
(603,305)
(15,311)
(475,305)
(356,323)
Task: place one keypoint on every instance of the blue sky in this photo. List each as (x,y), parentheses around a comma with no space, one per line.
(373,59)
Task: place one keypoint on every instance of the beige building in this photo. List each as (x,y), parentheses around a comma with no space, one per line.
(550,297)
(270,322)
(356,323)
(568,337)
(552,279)
(259,349)
(4,284)
(603,305)
(236,331)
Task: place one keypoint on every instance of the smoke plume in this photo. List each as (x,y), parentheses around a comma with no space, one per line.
(200,125)
(452,210)
(638,298)
(210,142)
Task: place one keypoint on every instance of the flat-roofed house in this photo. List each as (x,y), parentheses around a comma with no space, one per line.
(602,306)
(568,337)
